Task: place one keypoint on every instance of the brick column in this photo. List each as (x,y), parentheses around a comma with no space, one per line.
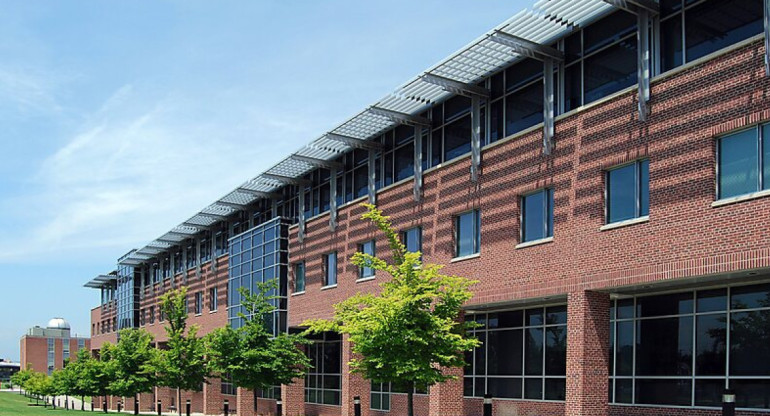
(588,333)
(293,396)
(446,399)
(146,402)
(352,384)
(213,402)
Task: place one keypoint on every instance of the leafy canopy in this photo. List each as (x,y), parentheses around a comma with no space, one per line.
(411,331)
(134,361)
(252,356)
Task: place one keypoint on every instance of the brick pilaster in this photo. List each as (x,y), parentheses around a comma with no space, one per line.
(446,399)
(293,396)
(588,332)
(352,384)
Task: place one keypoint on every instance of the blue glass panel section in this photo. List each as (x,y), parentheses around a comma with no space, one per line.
(714,25)
(535,216)
(610,70)
(621,199)
(738,160)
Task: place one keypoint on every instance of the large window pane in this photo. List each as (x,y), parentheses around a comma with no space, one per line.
(662,305)
(533,388)
(467,230)
(752,393)
(533,350)
(621,194)
(625,348)
(573,84)
(749,297)
(668,392)
(750,343)
(664,347)
(712,300)
(556,350)
(404,159)
(537,216)
(610,70)
(457,138)
(523,109)
(709,392)
(671,55)
(710,345)
(717,24)
(505,352)
(610,30)
(738,160)
(509,388)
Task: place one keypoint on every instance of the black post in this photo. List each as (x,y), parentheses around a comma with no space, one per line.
(728,403)
(279,407)
(158,407)
(357,405)
(136,405)
(187,407)
(487,405)
(104,405)
(120,406)
(227,408)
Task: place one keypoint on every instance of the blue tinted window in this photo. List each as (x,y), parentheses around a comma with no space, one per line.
(413,239)
(366,248)
(738,164)
(330,269)
(628,192)
(299,277)
(457,138)
(714,25)
(537,215)
(610,70)
(467,234)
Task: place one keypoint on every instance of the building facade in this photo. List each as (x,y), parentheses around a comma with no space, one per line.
(614,212)
(8,369)
(47,349)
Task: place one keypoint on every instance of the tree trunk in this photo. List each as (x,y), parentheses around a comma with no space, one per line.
(82,403)
(179,401)
(410,402)
(255,401)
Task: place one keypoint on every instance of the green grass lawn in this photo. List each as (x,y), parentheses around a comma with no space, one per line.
(12,404)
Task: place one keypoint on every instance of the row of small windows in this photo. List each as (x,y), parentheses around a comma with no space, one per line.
(148,315)
(412,239)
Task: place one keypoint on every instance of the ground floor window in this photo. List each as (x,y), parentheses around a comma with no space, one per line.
(684,349)
(381,392)
(323,382)
(523,354)
(228,388)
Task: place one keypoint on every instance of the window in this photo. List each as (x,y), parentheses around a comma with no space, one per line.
(198,303)
(205,249)
(192,256)
(523,354)
(152,315)
(467,233)
(366,248)
(228,388)
(743,162)
(143,317)
(213,300)
(299,277)
(412,239)
(220,243)
(685,348)
(330,269)
(51,355)
(323,381)
(537,216)
(380,396)
(628,192)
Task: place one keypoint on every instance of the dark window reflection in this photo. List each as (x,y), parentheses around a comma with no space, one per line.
(664,347)
(610,70)
(717,24)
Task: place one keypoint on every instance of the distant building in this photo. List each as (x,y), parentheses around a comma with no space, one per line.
(7,369)
(47,349)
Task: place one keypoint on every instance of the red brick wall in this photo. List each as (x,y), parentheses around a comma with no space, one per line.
(34,353)
(685,237)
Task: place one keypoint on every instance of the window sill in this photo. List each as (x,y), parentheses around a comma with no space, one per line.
(365,279)
(214,311)
(621,224)
(534,242)
(198,314)
(298,293)
(463,258)
(329,287)
(740,198)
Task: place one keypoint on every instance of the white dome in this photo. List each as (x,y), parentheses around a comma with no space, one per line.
(58,323)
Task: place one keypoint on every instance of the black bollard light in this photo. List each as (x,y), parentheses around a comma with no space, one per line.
(187,407)
(120,406)
(158,407)
(487,405)
(136,405)
(357,405)
(728,403)
(104,405)
(279,407)
(227,407)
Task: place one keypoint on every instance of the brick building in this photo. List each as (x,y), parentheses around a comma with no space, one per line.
(47,349)
(614,212)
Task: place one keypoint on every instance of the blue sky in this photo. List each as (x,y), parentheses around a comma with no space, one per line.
(120,119)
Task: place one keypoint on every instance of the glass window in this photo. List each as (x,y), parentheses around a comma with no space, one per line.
(404,160)
(198,303)
(330,269)
(366,248)
(739,163)
(524,108)
(467,233)
(299,277)
(628,194)
(412,239)
(714,25)
(380,396)
(610,70)
(323,381)
(457,138)
(537,216)
(213,300)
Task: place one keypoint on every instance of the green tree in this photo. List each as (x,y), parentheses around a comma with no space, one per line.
(63,382)
(182,365)
(252,356)
(82,381)
(97,373)
(134,361)
(20,379)
(411,332)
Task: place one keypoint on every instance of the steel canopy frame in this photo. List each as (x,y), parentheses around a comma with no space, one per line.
(544,23)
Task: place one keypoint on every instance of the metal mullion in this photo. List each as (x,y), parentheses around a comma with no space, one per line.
(694,345)
(523,353)
(614,357)
(633,357)
(760,157)
(542,375)
(729,328)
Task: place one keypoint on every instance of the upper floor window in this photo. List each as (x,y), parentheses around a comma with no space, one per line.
(198,303)
(330,269)
(205,248)
(152,315)
(467,233)
(192,256)
(366,248)
(220,243)
(299,277)
(744,162)
(537,215)
(628,191)
(213,300)
(412,239)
